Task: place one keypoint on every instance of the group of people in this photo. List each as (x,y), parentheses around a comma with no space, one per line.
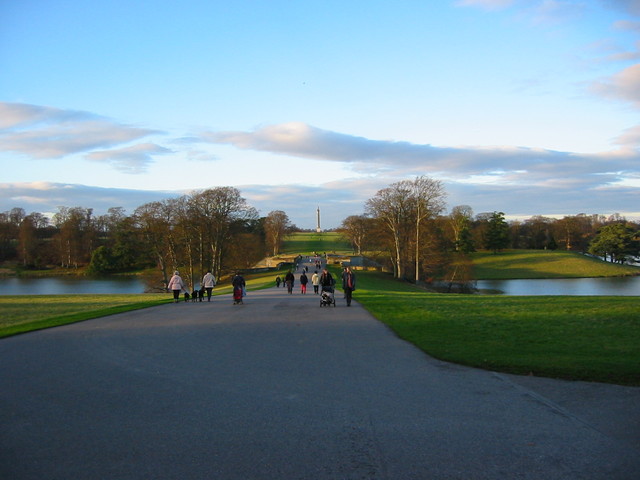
(324,280)
(177,285)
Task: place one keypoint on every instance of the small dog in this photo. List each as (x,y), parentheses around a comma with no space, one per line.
(186,296)
(194,296)
(201,294)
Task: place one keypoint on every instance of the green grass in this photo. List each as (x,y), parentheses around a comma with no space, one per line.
(578,338)
(25,313)
(305,243)
(543,264)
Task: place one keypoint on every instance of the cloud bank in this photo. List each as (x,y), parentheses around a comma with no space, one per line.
(506,164)
(41,132)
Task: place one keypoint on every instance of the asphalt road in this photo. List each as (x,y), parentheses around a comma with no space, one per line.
(279,388)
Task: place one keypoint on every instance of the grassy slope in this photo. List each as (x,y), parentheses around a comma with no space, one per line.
(543,264)
(24,313)
(586,338)
(306,243)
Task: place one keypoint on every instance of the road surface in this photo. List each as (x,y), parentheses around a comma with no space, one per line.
(279,388)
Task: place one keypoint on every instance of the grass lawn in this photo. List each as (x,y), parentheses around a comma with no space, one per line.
(25,313)
(305,243)
(578,338)
(514,264)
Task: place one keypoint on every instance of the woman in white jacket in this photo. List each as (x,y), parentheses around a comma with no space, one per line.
(176,285)
(209,281)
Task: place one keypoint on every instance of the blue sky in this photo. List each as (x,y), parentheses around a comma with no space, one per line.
(529,107)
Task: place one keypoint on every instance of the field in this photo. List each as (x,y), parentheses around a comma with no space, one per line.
(577,338)
(544,264)
(306,243)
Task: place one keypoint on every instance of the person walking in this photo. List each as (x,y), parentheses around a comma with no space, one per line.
(303,283)
(289,280)
(315,281)
(278,281)
(176,285)
(239,286)
(326,281)
(209,281)
(348,284)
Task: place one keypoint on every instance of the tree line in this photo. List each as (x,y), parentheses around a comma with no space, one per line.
(214,229)
(405,229)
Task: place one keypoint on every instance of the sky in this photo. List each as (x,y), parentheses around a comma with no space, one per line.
(528,107)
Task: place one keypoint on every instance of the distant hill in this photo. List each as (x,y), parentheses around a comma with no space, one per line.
(305,243)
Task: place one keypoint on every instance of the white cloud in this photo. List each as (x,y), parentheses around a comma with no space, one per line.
(45,132)
(391,158)
(46,197)
(624,86)
(133,159)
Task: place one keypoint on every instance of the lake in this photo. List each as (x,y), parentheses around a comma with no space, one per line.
(71,285)
(626,286)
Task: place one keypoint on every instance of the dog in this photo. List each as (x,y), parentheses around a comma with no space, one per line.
(194,295)
(186,296)
(201,294)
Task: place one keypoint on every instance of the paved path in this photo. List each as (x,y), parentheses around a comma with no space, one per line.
(279,388)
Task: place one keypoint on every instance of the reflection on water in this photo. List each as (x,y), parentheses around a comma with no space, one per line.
(624,286)
(71,285)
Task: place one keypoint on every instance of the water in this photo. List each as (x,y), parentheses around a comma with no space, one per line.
(625,286)
(70,285)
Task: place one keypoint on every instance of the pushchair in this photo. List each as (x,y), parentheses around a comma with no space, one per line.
(237,295)
(327,298)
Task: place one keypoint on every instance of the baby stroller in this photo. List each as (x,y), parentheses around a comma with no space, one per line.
(327,298)
(237,295)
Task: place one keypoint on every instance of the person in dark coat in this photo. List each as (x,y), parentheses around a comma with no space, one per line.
(303,283)
(326,281)
(348,284)
(289,280)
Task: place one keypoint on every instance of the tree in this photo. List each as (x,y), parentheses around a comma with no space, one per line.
(355,228)
(617,242)
(428,196)
(497,234)
(219,208)
(460,224)
(76,235)
(392,206)
(27,241)
(154,221)
(276,226)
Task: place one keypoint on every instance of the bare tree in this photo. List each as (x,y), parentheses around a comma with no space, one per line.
(393,207)
(154,220)
(276,225)
(428,199)
(355,228)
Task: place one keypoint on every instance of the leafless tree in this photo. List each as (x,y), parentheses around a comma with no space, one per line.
(276,226)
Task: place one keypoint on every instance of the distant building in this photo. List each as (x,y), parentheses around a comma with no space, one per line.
(318,229)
